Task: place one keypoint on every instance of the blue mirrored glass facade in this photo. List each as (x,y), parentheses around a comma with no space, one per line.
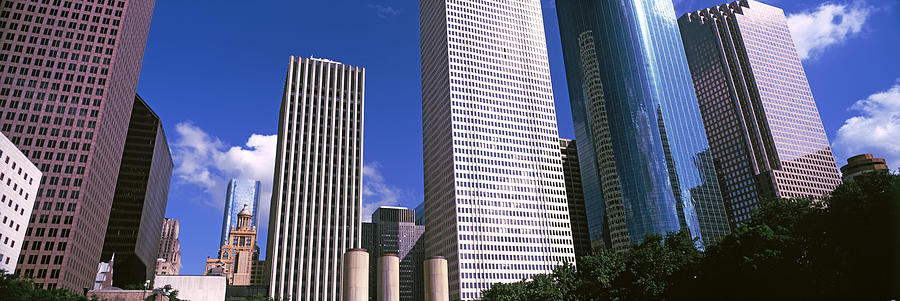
(645,161)
(239,192)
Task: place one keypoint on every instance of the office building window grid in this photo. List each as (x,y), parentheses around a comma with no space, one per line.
(760,114)
(505,197)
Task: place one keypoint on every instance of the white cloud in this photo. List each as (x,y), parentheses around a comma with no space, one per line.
(377,192)
(208,163)
(875,130)
(384,11)
(828,25)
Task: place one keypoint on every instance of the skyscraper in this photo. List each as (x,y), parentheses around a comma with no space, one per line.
(69,72)
(21,179)
(765,131)
(581,238)
(393,230)
(317,196)
(239,254)
(238,194)
(862,164)
(645,163)
(495,199)
(139,203)
(169,259)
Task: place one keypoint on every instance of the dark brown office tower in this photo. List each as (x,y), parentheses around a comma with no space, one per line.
(139,205)
(581,239)
(68,73)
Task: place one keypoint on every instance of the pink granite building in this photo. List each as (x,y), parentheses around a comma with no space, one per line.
(68,74)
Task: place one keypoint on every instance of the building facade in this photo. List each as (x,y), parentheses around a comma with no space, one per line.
(644,156)
(139,204)
(69,73)
(394,230)
(495,199)
(861,164)
(238,194)
(19,180)
(581,238)
(764,128)
(317,195)
(168,261)
(239,254)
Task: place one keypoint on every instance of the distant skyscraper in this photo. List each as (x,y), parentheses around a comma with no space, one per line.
(581,238)
(19,180)
(495,199)
(239,193)
(644,157)
(766,135)
(139,204)
(169,258)
(317,197)
(66,91)
(394,230)
(861,164)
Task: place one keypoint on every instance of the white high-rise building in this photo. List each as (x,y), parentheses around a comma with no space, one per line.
(317,195)
(495,200)
(19,180)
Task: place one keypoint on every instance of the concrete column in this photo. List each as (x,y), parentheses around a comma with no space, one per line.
(389,278)
(355,276)
(436,286)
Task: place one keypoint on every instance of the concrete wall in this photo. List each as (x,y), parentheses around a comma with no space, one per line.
(194,288)
(120,295)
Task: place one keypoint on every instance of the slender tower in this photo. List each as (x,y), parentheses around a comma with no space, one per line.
(240,192)
(317,196)
(495,199)
(68,74)
(645,162)
(761,119)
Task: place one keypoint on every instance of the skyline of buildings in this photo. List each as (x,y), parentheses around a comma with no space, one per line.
(141,196)
(505,197)
(19,181)
(68,84)
(495,201)
(766,135)
(645,162)
(315,212)
(237,194)
(393,230)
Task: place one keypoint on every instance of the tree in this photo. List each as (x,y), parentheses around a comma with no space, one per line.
(13,288)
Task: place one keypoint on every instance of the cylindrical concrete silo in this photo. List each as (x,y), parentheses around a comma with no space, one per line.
(436,286)
(355,276)
(389,278)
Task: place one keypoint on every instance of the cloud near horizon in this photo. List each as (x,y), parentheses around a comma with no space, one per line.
(874,130)
(825,26)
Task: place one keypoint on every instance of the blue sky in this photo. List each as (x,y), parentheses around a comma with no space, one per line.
(214,72)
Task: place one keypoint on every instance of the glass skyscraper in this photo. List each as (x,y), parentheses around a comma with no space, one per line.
(239,193)
(763,125)
(645,162)
(495,195)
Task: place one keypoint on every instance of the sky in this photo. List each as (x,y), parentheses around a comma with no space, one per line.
(214,72)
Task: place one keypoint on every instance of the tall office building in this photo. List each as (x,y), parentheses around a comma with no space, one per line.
(239,254)
(765,131)
(139,204)
(19,180)
(495,199)
(238,194)
(68,73)
(393,230)
(645,164)
(863,164)
(168,260)
(317,196)
(581,238)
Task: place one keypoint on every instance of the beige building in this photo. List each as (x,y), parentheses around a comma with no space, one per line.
(239,254)
(168,262)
